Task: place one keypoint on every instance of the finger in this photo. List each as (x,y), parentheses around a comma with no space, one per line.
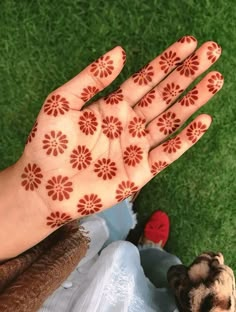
(166,153)
(172,119)
(93,78)
(166,93)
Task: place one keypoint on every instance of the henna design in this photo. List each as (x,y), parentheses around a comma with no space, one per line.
(171,91)
(123,57)
(88,93)
(187,39)
(88,123)
(59,188)
(89,204)
(56,105)
(55,143)
(147,99)
(112,127)
(133,155)
(32,177)
(105,168)
(57,219)
(102,67)
(172,145)
(195,130)
(189,66)
(190,98)
(115,97)
(81,157)
(144,76)
(168,123)
(213,52)
(158,167)
(168,60)
(125,189)
(32,132)
(215,83)
(137,127)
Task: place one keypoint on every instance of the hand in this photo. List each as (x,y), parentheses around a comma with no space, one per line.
(83,159)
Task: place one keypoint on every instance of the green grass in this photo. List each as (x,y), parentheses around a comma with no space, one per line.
(45,43)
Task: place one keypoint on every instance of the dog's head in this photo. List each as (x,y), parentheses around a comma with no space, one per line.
(207,285)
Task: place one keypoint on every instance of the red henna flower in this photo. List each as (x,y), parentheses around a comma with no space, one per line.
(56,219)
(123,57)
(89,204)
(137,127)
(111,127)
(195,130)
(158,166)
(59,188)
(55,143)
(172,145)
(56,105)
(125,189)
(187,39)
(168,60)
(105,168)
(189,66)
(147,99)
(133,155)
(102,67)
(32,177)
(171,91)
(32,133)
(168,123)
(213,52)
(144,76)
(88,93)
(81,157)
(115,97)
(215,83)
(190,97)
(88,123)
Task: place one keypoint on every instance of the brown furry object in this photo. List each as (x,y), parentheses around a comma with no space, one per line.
(27,280)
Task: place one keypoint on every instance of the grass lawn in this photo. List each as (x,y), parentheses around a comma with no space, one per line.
(45,43)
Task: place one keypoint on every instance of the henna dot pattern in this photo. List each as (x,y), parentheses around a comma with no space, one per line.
(137,127)
(172,145)
(112,127)
(102,67)
(168,123)
(147,99)
(187,39)
(31,177)
(171,91)
(89,204)
(190,98)
(125,189)
(213,52)
(195,130)
(56,105)
(144,76)
(32,133)
(133,155)
(215,83)
(88,123)
(105,169)
(55,143)
(114,98)
(80,157)
(59,188)
(189,66)
(168,60)
(57,219)
(158,167)
(88,93)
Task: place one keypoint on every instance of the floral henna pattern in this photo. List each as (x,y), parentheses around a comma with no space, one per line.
(59,188)
(133,155)
(172,145)
(55,143)
(168,123)
(187,39)
(123,57)
(168,60)
(125,189)
(213,52)
(105,169)
(56,105)
(114,98)
(158,167)
(147,99)
(170,92)
(103,67)
(88,93)
(144,76)
(189,66)
(215,83)
(137,127)
(32,177)
(32,133)
(89,204)
(81,157)
(57,219)
(195,130)
(88,123)
(190,98)
(112,127)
